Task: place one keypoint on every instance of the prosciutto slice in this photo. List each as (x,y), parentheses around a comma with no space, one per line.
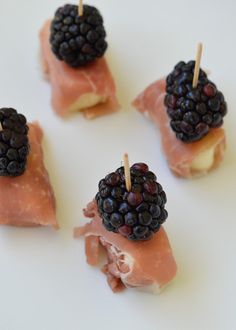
(28,200)
(90,89)
(147,266)
(180,156)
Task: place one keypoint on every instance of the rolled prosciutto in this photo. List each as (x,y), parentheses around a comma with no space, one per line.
(128,223)
(27,199)
(203,152)
(73,62)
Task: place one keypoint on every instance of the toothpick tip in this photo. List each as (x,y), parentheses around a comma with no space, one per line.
(197,64)
(127,172)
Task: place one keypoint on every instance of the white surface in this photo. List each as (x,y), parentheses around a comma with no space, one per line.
(45,283)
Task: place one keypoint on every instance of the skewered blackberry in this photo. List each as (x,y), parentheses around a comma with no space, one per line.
(78,40)
(193,111)
(137,214)
(14,144)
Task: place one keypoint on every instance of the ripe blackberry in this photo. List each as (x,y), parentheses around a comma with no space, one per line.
(14,144)
(193,111)
(137,214)
(78,40)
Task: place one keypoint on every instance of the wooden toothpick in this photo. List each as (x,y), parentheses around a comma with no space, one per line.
(127,172)
(197,65)
(81,8)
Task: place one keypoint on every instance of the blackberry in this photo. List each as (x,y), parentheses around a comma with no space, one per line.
(77,40)
(136,214)
(14,144)
(193,111)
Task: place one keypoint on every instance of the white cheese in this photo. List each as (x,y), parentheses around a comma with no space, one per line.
(86,101)
(204,160)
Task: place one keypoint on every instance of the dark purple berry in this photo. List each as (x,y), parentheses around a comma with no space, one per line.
(141,167)
(202,129)
(164,216)
(155,225)
(6,135)
(116,220)
(12,154)
(163,196)
(131,213)
(187,105)
(13,167)
(134,199)
(180,90)
(148,197)
(150,176)
(191,117)
(124,208)
(139,180)
(155,210)
(186,128)
(3,164)
(108,226)
(170,101)
(105,192)
(201,108)
(209,90)
(176,125)
(150,187)
(140,231)
(109,205)
(117,193)
(214,104)
(223,109)
(137,188)
(217,120)
(145,218)
(14,143)
(192,110)
(142,207)
(3,149)
(194,95)
(131,219)
(177,114)
(112,179)
(77,40)
(207,118)
(179,65)
(125,230)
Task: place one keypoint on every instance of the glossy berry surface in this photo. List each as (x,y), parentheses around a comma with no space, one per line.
(77,40)
(193,111)
(14,144)
(136,214)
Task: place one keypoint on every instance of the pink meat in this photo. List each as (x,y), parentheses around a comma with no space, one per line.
(69,84)
(129,264)
(179,155)
(28,200)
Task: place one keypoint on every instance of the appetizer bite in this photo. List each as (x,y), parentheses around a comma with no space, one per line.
(26,195)
(127,217)
(73,46)
(189,110)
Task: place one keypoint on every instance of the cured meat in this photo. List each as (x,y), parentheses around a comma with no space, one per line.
(185,160)
(28,200)
(90,89)
(147,265)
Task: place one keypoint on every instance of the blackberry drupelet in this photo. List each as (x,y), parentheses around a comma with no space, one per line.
(193,111)
(14,144)
(137,214)
(78,40)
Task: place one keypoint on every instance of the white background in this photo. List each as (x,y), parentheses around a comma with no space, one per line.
(45,283)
